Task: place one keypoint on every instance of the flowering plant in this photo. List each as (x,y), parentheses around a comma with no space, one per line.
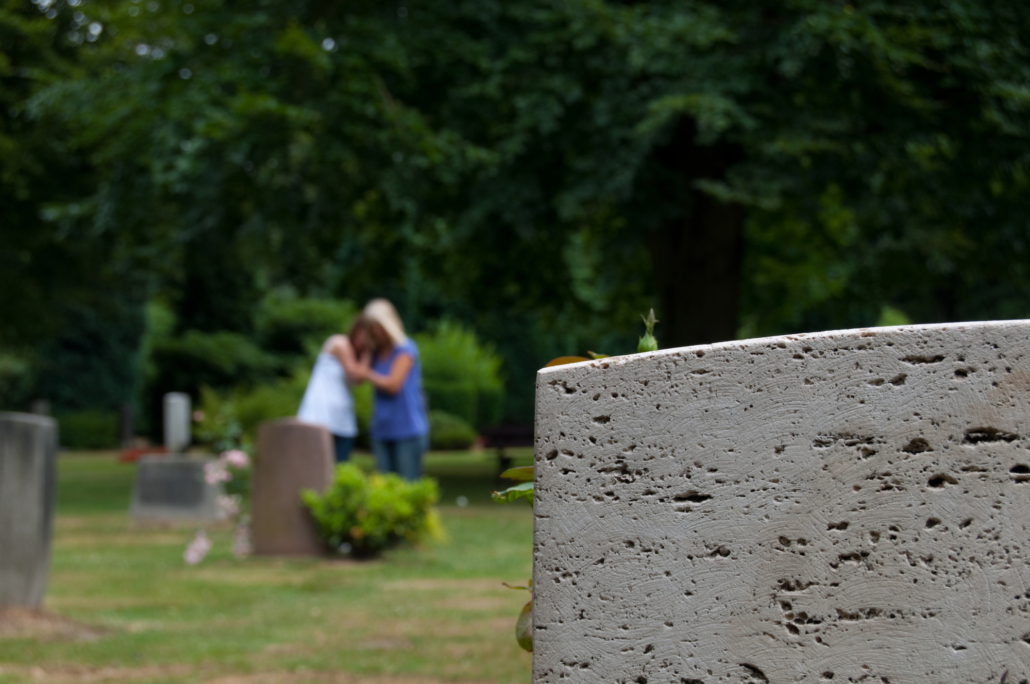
(233,469)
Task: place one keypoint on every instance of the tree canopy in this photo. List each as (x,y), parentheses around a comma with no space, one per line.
(544,170)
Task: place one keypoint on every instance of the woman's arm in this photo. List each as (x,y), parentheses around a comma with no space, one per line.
(399,371)
(355,369)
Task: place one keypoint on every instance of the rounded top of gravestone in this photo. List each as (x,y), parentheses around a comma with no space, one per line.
(853,334)
(27,418)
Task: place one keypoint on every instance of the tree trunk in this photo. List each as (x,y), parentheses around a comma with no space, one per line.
(696,253)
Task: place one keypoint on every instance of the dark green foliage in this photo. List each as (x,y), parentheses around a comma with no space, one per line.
(88,429)
(371,513)
(538,171)
(17,377)
(449,432)
(94,361)
(297,325)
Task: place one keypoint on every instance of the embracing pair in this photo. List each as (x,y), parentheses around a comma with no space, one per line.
(377,351)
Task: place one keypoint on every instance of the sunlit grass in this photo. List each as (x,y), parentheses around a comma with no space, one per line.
(438,612)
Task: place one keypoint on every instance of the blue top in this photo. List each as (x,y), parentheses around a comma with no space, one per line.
(401,415)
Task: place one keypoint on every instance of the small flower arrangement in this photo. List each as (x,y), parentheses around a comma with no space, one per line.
(233,469)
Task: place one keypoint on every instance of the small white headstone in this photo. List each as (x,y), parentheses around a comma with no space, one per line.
(849,506)
(177,417)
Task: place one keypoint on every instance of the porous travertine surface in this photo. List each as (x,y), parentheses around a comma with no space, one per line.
(846,506)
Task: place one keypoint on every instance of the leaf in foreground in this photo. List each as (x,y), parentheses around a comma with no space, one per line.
(519,491)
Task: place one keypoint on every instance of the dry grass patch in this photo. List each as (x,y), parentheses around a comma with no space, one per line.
(22,623)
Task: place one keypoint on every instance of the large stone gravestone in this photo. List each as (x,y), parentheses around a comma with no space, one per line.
(847,506)
(173,488)
(291,456)
(28,451)
(177,422)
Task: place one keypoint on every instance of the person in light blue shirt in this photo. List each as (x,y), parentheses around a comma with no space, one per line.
(344,361)
(400,427)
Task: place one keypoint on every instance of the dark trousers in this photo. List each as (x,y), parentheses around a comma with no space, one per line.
(343,448)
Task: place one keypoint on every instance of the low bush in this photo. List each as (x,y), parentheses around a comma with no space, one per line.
(89,429)
(16,379)
(447,431)
(230,419)
(365,514)
(461,375)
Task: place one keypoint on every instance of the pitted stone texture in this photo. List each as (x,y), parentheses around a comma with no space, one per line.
(847,506)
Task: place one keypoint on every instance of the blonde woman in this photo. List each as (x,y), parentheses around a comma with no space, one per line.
(400,428)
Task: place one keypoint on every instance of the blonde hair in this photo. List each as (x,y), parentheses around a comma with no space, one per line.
(381,311)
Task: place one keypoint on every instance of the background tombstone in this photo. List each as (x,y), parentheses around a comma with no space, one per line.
(177,422)
(845,506)
(172,488)
(291,456)
(28,452)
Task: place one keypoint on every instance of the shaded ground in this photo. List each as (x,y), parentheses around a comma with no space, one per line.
(122,605)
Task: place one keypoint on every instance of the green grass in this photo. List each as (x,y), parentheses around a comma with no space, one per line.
(439,612)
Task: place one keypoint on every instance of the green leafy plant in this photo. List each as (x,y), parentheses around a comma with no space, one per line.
(461,375)
(365,514)
(447,431)
(524,476)
(524,490)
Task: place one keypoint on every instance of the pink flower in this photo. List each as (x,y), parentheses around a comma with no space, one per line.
(215,472)
(230,505)
(197,549)
(236,458)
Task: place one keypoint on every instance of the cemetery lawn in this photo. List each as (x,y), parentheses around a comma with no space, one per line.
(122,606)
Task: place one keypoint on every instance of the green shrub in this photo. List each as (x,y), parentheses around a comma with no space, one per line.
(294,325)
(231,418)
(89,429)
(16,379)
(221,359)
(459,399)
(461,375)
(364,515)
(447,431)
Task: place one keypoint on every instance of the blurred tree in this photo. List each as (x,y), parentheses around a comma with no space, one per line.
(40,260)
(543,169)
(849,154)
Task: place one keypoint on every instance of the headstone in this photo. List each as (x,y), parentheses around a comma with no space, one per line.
(171,488)
(40,407)
(177,425)
(850,506)
(126,426)
(28,452)
(291,456)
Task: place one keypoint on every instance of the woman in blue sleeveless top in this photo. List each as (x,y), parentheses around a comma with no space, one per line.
(400,428)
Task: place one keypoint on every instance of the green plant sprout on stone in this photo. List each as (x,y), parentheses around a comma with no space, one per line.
(524,476)
(648,343)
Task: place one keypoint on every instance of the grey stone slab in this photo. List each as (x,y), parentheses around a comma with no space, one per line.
(28,451)
(844,506)
(291,456)
(172,488)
